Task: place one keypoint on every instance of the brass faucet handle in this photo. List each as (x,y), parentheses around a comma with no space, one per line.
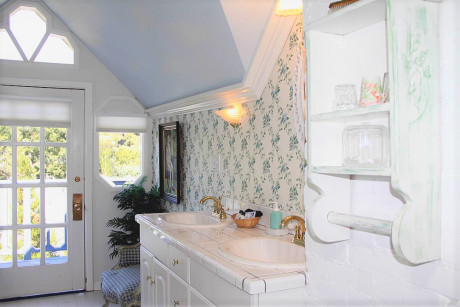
(222,214)
(297,235)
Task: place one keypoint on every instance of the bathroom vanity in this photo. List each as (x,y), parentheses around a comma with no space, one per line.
(181,266)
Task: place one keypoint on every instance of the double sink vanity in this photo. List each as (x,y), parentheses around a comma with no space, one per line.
(197,259)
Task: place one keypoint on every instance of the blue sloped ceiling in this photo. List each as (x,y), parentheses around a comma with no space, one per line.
(162,50)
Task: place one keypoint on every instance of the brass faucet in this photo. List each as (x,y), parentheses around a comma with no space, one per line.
(299,236)
(218,210)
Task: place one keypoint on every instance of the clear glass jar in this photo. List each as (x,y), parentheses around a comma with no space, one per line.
(345,97)
(371,91)
(365,146)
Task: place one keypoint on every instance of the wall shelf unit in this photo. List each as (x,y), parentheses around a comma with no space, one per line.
(369,38)
(357,114)
(342,170)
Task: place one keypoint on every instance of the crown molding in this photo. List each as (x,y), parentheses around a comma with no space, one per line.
(254,81)
(270,47)
(222,97)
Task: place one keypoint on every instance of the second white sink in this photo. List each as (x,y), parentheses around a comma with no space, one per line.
(264,252)
(192,220)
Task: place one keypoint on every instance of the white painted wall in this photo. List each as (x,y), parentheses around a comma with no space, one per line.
(104,85)
(363,270)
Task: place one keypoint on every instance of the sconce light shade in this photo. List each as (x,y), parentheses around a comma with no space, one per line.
(233,116)
(289,7)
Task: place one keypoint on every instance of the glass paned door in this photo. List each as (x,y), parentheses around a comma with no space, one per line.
(41,247)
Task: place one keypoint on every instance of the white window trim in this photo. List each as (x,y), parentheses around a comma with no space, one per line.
(13,5)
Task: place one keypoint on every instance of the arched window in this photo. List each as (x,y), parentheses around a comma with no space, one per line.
(27,35)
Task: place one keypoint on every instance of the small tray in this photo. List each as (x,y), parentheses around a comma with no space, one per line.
(246,223)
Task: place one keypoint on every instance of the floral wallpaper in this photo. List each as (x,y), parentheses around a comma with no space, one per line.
(262,160)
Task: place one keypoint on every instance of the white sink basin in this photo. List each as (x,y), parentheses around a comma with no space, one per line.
(192,220)
(265,252)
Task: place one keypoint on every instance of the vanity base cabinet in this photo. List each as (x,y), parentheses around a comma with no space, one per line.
(170,277)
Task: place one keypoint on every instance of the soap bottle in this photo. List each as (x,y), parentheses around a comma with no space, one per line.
(275,217)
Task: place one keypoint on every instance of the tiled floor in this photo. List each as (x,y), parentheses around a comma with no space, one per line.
(86,299)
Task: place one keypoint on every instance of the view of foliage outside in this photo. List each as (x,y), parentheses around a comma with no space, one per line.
(119,156)
(28,171)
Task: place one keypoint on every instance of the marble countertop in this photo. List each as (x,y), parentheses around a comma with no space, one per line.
(202,244)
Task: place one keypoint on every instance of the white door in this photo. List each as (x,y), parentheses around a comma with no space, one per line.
(41,171)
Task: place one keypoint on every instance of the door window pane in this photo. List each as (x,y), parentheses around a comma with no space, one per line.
(28,247)
(6,202)
(28,163)
(6,161)
(55,163)
(28,206)
(5,133)
(56,205)
(6,248)
(56,245)
(58,135)
(28,134)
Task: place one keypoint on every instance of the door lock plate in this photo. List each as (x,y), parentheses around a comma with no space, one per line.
(77,207)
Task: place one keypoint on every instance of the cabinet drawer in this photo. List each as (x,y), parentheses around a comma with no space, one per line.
(178,292)
(178,262)
(151,240)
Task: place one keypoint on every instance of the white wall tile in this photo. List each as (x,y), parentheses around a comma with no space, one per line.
(351,277)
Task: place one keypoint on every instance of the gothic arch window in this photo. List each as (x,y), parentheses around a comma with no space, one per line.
(27,35)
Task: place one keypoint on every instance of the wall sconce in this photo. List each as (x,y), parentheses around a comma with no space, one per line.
(289,7)
(233,116)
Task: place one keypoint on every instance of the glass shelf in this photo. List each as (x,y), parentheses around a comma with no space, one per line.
(346,170)
(360,113)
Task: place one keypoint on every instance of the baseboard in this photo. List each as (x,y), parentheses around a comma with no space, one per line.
(97,286)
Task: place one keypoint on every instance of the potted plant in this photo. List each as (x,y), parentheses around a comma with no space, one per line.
(135,200)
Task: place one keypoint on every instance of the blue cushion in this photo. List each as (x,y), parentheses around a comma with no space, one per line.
(121,284)
(129,256)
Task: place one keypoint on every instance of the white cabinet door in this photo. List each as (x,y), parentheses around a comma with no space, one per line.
(178,292)
(161,284)
(198,300)
(147,278)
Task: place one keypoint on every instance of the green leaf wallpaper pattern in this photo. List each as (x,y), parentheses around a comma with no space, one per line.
(261,160)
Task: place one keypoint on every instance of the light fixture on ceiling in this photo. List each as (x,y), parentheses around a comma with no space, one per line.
(233,116)
(289,7)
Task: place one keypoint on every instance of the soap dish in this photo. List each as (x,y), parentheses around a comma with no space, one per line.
(246,223)
(277,232)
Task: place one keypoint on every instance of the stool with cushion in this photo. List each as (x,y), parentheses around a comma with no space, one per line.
(121,285)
